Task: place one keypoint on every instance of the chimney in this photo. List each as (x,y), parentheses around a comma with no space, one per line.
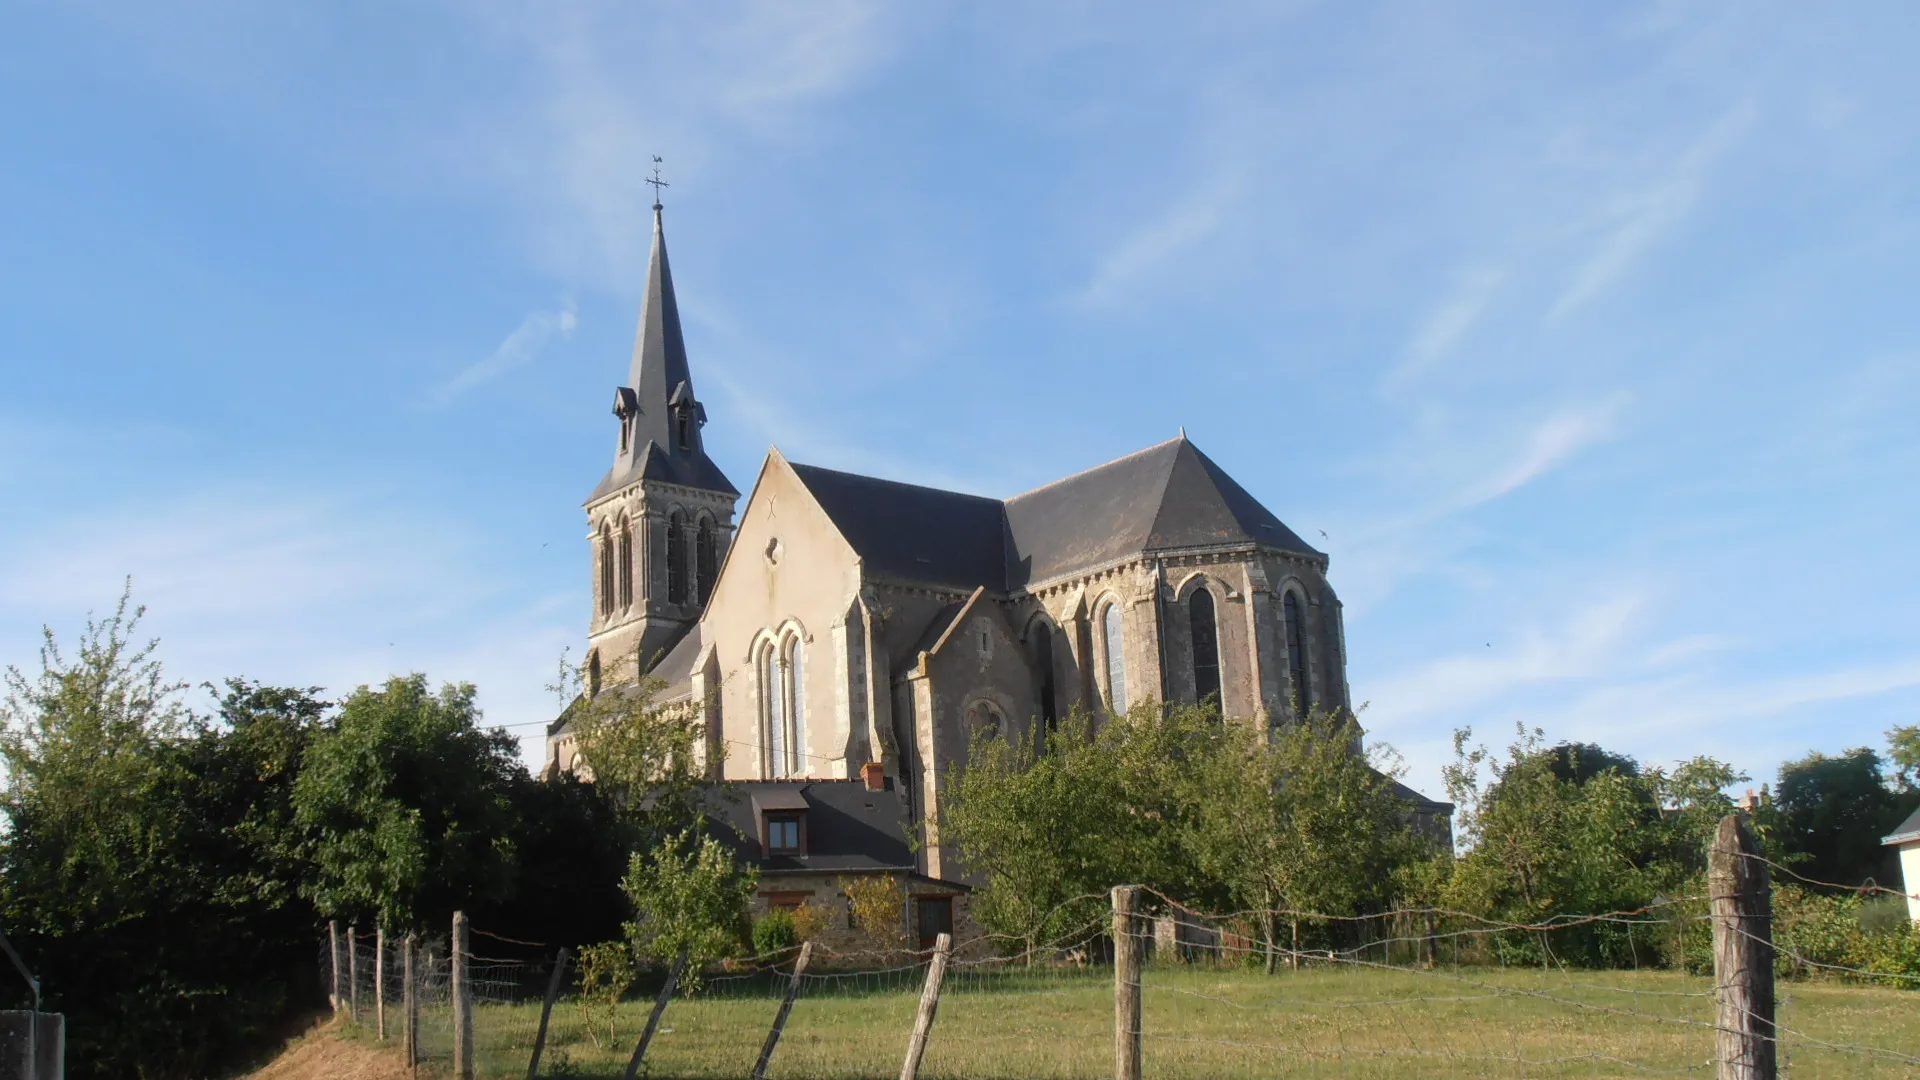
(875,775)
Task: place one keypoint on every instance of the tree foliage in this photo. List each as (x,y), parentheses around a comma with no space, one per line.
(1832,810)
(409,806)
(1212,812)
(689,893)
(147,870)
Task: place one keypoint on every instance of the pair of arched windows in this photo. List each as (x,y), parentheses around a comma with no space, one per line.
(616,568)
(783,705)
(706,559)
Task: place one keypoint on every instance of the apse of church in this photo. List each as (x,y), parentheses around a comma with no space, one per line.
(844,620)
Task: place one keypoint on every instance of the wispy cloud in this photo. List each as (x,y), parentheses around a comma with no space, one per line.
(1643,218)
(1551,444)
(1144,252)
(520,348)
(1446,325)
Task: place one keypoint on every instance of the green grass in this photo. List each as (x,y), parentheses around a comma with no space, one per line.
(1205,1023)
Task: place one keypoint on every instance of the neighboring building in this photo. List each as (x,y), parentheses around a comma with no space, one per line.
(1906,840)
(844,619)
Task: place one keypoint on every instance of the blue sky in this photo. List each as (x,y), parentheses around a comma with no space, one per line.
(1587,334)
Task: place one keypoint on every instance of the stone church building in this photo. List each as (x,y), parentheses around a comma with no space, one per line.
(836,620)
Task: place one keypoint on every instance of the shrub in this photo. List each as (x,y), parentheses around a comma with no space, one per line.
(774,932)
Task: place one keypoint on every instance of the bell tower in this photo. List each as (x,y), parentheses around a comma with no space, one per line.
(659,522)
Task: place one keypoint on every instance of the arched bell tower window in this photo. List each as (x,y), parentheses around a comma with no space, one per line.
(706,560)
(1297,654)
(677,558)
(606,554)
(1114,646)
(626,564)
(1206,646)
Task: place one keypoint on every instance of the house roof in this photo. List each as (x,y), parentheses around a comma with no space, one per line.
(1164,497)
(1907,832)
(848,827)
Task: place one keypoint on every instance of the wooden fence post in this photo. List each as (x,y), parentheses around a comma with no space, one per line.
(380,982)
(1126,986)
(653,1018)
(546,1011)
(353,971)
(929,1002)
(409,1005)
(1742,902)
(462,1000)
(780,1018)
(333,955)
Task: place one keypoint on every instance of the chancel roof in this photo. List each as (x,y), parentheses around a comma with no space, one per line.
(1166,497)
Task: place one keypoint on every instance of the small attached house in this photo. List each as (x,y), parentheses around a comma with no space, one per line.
(809,838)
(1906,840)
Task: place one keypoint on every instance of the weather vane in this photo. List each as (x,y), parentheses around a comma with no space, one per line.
(657,182)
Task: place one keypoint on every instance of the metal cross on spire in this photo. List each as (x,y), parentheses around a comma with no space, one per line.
(657,182)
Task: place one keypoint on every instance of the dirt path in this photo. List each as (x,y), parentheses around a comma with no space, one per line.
(321,1055)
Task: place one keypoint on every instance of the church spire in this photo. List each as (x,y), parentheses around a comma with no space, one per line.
(660,418)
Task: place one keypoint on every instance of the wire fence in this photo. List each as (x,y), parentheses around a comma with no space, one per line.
(1254,993)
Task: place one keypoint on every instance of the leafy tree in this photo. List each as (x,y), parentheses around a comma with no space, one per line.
(1833,812)
(1903,752)
(408,806)
(643,755)
(689,893)
(1296,819)
(147,867)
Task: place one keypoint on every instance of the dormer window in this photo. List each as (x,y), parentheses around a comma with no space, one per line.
(683,427)
(783,833)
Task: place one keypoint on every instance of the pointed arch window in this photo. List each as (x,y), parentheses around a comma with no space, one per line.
(1114,646)
(626,564)
(1206,646)
(706,560)
(677,558)
(1042,638)
(606,554)
(795,657)
(1297,653)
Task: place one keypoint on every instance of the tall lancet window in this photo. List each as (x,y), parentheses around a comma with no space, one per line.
(1297,654)
(626,565)
(606,554)
(1206,646)
(677,558)
(706,560)
(795,659)
(1114,645)
(1042,635)
(773,710)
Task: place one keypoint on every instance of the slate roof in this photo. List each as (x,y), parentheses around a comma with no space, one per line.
(848,827)
(1909,830)
(913,533)
(1164,497)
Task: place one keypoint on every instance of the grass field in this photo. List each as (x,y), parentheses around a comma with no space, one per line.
(1205,1023)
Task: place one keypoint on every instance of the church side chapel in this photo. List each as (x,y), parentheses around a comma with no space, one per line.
(846,635)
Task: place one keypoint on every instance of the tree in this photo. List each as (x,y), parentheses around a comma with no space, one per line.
(1903,751)
(642,755)
(147,868)
(689,893)
(1297,819)
(1833,812)
(408,806)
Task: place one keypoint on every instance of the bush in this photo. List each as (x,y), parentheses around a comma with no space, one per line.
(774,932)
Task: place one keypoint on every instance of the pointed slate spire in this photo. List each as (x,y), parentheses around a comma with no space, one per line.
(658,411)
(659,350)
